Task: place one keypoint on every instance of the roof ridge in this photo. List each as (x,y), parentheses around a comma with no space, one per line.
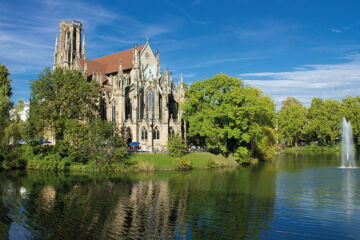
(129,49)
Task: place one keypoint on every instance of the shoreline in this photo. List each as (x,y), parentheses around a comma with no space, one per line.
(313,148)
(155,162)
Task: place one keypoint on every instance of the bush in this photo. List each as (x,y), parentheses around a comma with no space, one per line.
(13,159)
(183,164)
(242,155)
(176,146)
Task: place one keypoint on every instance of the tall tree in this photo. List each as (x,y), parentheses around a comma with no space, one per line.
(59,96)
(292,117)
(5,106)
(5,80)
(324,121)
(229,117)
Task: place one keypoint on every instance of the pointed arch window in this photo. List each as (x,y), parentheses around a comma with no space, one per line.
(113,113)
(143,134)
(150,103)
(171,132)
(142,104)
(156,133)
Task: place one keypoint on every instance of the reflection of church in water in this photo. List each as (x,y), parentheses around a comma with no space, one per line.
(135,95)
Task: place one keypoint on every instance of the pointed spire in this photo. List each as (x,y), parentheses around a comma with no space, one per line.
(147,40)
(85,69)
(120,67)
(158,64)
(83,50)
(167,75)
(181,82)
(171,78)
(56,44)
(136,56)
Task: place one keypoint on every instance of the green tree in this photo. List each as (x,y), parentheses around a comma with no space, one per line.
(229,117)
(5,81)
(291,123)
(176,146)
(323,121)
(59,96)
(5,107)
(65,104)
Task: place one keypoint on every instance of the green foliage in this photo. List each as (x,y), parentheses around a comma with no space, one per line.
(176,146)
(324,121)
(13,158)
(242,155)
(5,81)
(227,117)
(59,96)
(5,106)
(11,125)
(291,121)
(314,148)
(65,104)
(183,164)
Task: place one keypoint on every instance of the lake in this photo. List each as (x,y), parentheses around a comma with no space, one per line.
(297,196)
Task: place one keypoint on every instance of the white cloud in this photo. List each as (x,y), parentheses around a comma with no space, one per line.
(185,13)
(208,63)
(327,81)
(264,30)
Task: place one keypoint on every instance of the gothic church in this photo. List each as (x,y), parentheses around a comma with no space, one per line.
(143,102)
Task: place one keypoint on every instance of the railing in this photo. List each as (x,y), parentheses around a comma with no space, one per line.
(76,23)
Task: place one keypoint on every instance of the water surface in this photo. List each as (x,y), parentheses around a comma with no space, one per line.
(298,196)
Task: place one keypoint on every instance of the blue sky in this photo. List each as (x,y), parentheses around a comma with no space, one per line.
(297,48)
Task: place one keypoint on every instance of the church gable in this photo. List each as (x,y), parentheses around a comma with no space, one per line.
(148,62)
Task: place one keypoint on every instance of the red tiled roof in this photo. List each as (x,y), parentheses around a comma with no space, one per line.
(110,63)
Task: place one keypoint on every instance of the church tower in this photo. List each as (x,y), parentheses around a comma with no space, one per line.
(68,45)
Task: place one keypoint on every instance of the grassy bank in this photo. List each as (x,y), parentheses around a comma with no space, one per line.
(314,148)
(163,161)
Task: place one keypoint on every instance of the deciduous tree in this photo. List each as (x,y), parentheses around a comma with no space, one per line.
(228,117)
(291,123)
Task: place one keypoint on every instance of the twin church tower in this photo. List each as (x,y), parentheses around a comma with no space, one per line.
(142,101)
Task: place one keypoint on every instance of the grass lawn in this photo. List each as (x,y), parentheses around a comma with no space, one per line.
(163,161)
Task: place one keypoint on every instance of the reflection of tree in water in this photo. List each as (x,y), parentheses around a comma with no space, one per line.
(10,203)
(219,204)
(299,161)
(230,204)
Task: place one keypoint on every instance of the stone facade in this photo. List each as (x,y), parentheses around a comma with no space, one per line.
(143,102)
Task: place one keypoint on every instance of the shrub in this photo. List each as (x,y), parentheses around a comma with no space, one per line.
(183,164)
(13,159)
(176,146)
(242,155)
